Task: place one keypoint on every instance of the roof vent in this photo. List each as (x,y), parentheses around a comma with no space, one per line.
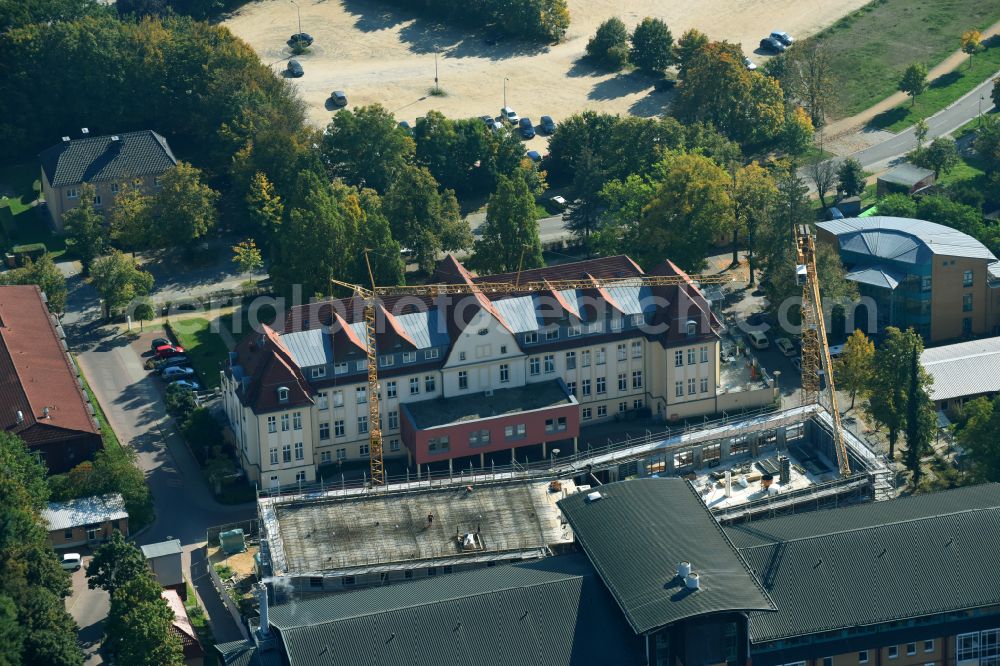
(115,138)
(20,417)
(692,581)
(683,569)
(84,131)
(594,496)
(65,139)
(45,412)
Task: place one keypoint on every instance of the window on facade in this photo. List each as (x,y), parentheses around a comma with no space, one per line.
(437,444)
(461,356)
(571,387)
(360,366)
(616,323)
(711,453)
(286,453)
(595,327)
(601,356)
(504,373)
(585,387)
(362,424)
(911,649)
(318,372)
(637,404)
(432,571)
(68,534)
(386,361)
(967,279)
(297,421)
(555,425)
(430,354)
(72,193)
(585,359)
(863,657)
(274,455)
(272,424)
(430,384)
(966,302)
(339,368)
(587,414)
(324,456)
(284,422)
(518,431)
(570,360)
(299,451)
(637,349)
(324,431)
(479,437)
(552,334)
(602,385)
(573,331)
(827,661)
(463,380)
(390,389)
(704,354)
(691,356)
(679,389)
(678,358)
(282,394)
(637,320)
(929,646)
(925,283)
(394,445)
(602,411)
(338,428)
(691,386)
(530,338)
(622,352)
(892,651)
(364,449)
(704,385)
(622,381)
(98,200)
(622,407)
(322,402)
(341,454)
(637,379)
(361,395)
(414,385)
(534,366)
(393,420)
(550,363)
(503,349)
(338,398)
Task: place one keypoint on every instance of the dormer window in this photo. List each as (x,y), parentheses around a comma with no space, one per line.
(282,394)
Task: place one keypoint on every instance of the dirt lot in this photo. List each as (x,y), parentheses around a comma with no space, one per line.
(378,53)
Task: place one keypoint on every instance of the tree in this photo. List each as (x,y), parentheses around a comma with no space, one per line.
(897,205)
(131,223)
(652,46)
(995,94)
(808,77)
(981,437)
(510,236)
(138,629)
(366,147)
(853,370)
(423,219)
(920,130)
(754,196)
(265,208)
(609,45)
(375,236)
(914,81)
(43,273)
(584,214)
(246,255)
(115,563)
(688,46)
(183,209)
(972,43)
(85,228)
(850,178)
(797,134)
(891,381)
(940,156)
(920,417)
(690,209)
(823,174)
(118,280)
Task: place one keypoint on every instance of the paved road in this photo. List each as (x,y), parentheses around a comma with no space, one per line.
(89,608)
(550,229)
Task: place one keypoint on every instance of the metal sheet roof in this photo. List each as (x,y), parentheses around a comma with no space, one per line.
(424,328)
(633,300)
(309,348)
(876,562)
(550,612)
(84,511)
(878,276)
(963,369)
(637,533)
(906,173)
(903,239)
(520,313)
(172,547)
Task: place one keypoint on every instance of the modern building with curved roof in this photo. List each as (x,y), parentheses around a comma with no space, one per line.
(940,281)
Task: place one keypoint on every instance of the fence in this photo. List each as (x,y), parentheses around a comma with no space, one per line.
(227,600)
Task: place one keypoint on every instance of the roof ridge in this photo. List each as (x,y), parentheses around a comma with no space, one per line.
(866,528)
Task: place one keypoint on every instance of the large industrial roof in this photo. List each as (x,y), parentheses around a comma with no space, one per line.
(963,369)
(874,563)
(635,535)
(553,612)
(902,239)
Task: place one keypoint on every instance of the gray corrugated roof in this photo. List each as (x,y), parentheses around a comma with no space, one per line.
(520,313)
(966,368)
(878,276)
(551,612)
(903,239)
(423,329)
(638,532)
(875,563)
(100,158)
(162,548)
(906,174)
(310,347)
(84,511)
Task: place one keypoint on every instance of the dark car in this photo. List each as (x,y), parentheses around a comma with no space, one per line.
(534,156)
(301,38)
(772,45)
(166,351)
(158,342)
(162,364)
(405,126)
(526,128)
(338,98)
(548,125)
(295,69)
(663,85)
(177,372)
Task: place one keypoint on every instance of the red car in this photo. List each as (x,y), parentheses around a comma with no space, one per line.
(166,351)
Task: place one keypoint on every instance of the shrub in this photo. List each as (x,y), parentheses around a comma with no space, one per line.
(609,45)
(202,432)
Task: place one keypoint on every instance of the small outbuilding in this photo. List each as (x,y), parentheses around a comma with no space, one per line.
(86,521)
(164,558)
(904,178)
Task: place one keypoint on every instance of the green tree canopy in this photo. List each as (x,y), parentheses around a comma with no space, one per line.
(85,228)
(853,370)
(114,564)
(920,417)
(366,147)
(265,208)
(510,236)
(941,156)
(183,209)
(652,45)
(139,626)
(43,273)
(850,178)
(609,45)
(687,48)
(891,383)
(914,81)
(130,218)
(118,280)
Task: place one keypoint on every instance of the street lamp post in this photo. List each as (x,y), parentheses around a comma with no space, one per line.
(981,98)
(436,86)
(298,13)
(505,92)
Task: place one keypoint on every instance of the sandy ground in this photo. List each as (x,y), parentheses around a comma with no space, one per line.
(378,53)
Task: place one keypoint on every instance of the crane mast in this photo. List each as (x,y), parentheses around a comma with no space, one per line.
(815,349)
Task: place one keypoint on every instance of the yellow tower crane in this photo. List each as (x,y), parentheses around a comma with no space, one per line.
(815,349)
(371,295)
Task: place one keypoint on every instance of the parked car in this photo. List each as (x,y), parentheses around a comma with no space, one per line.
(783,37)
(758,339)
(663,85)
(405,126)
(189,384)
(556,204)
(177,372)
(163,364)
(548,125)
(294,69)
(303,38)
(338,98)
(526,128)
(166,351)
(493,124)
(159,342)
(510,115)
(534,156)
(71,561)
(836,351)
(772,45)
(751,65)
(786,346)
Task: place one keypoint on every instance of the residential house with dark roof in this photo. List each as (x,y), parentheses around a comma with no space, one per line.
(42,400)
(477,378)
(942,282)
(106,162)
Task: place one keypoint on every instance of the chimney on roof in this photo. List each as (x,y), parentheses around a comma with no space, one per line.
(84,131)
(45,412)
(20,417)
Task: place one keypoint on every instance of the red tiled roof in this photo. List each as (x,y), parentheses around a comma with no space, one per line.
(36,372)
(268,366)
(182,625)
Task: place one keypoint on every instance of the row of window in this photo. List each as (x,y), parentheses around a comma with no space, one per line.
(328,456)
(535,363)
(911,649)
(702,354)
(616,324)
(864,656)
(587,413)
(296,421)
(300,477)
(74,193)
(408,357)
(692,384)
(602,384)
(286,453)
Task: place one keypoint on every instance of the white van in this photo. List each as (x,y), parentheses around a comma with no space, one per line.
(758,339)
(836,351)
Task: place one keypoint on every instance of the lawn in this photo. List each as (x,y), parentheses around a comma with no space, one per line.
(203,347)
(870,48)
(967,169)
(942,91)
(19,222)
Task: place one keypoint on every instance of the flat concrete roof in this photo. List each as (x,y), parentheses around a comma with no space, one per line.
(331,536)
(444,411)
